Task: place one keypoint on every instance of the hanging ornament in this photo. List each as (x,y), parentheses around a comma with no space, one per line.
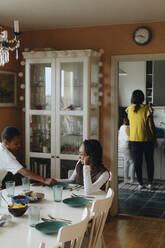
(22,86)
(22,63)
(21,98)
(100,64)
(20,74)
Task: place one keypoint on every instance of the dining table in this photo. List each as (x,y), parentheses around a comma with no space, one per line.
(19,234)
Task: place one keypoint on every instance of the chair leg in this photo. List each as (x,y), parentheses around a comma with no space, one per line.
(101,243)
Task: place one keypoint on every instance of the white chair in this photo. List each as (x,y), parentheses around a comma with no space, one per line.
(70,172)
(71,236)
(42,245)
(108,183)
(99,213)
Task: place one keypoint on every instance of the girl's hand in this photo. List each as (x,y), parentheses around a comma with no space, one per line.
(87,160)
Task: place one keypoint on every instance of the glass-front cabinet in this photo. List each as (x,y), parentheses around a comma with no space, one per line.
(62,108)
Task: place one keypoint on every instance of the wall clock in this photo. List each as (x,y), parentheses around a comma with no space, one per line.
(142,35)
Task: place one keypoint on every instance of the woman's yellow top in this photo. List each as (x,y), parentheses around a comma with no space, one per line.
(138,122)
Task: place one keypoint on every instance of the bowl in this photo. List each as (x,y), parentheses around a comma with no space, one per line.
(23,199)
(18,211)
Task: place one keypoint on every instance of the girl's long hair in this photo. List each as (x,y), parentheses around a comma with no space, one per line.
(137,98)
(94,150)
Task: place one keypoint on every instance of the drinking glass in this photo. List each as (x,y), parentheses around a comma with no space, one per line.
(26,184)
(0,197)
(10,188)
(57,193)
(34,215)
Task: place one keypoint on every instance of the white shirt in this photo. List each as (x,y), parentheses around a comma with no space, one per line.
(89,187)
(123,138)
(8,163)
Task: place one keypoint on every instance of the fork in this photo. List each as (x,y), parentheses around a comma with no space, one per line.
(85,196)
(76,187)
(74,195)
(60,219)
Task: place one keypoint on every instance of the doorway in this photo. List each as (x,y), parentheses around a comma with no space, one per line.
(149,199)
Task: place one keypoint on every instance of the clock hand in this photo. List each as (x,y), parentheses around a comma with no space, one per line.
(140,35)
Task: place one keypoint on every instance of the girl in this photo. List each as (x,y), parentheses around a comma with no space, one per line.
(89,170)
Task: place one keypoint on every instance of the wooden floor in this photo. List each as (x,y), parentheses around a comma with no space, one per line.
(134,232)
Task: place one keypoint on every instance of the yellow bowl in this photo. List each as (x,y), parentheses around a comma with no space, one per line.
(17,211)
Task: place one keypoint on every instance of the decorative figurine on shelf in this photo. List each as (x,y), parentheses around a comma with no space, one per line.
(70,107)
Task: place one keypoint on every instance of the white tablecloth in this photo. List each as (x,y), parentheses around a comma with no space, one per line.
(18,233)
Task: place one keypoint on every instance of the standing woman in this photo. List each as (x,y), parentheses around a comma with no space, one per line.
(142,136)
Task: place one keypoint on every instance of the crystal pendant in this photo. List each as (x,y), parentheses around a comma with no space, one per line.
(4,57)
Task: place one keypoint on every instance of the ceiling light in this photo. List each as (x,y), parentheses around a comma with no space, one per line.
(8,45)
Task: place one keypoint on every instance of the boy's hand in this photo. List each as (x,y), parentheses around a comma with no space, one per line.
(50,181)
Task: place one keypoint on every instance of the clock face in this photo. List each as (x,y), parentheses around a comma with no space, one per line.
(142,35)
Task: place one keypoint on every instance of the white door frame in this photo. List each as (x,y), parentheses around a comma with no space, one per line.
(114,83)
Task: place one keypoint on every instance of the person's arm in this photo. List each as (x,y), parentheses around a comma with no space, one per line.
(90,187)
(151,125)
(71,179)
(36,177)
(152,128)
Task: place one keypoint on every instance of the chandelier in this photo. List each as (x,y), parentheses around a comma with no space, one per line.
(8,45)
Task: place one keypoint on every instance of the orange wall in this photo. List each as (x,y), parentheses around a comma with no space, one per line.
(115,40)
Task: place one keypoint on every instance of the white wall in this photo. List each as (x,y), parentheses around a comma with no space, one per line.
(135,79)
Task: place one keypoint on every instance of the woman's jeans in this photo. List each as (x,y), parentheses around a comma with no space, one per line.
(137,150)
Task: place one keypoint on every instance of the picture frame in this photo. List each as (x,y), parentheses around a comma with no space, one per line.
(8,89)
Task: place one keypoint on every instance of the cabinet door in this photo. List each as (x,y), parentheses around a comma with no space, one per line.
(71,104)
(39,115)
(40,133)
(159,83)
(71,135)
(40,86)
(71,85)
(40,166)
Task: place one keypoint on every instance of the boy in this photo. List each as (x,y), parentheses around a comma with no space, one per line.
(11,142)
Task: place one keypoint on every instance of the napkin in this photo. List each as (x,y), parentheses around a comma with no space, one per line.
(5,219)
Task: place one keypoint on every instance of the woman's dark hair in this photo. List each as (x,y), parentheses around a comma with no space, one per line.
(137,98)
(9,133)
(94,150)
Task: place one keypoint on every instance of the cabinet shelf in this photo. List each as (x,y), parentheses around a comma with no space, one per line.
(149,82)
(71,135)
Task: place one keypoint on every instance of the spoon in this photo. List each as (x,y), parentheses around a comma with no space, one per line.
(67,221)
